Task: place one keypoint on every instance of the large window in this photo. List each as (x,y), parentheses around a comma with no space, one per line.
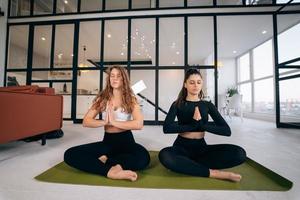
(20,7)
(264,96)
(90,5)
(263,60)
(200,41)
(42,46)
(171,42)
(115,40)
(170,83)
(42,7)
(66,6)
(89,43)
(63,54)
(18,47)
(255,65)
(244,68)
(142,42)
(257,72)
(148,76)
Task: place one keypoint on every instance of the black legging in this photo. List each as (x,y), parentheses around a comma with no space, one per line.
(120,148)
(194,157)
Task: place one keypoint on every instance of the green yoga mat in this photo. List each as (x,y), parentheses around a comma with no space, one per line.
(255,177)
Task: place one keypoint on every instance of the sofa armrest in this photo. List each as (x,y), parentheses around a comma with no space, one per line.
(28,114)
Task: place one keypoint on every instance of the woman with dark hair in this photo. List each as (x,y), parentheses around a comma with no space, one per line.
(118,156)
(190,154)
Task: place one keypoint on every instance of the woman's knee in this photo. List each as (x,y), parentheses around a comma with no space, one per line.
(166,157)
(71,154)
(241,154)
(143,158)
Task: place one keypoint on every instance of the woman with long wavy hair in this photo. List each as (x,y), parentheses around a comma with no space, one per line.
(190,154)
(118,156)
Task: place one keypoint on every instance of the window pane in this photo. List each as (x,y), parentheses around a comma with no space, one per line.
(200,41)
(244,68)
(171,41)
(116,4)
(42,47)
(288,49)
(229,2)
(115,45)
(143,42)
(143,3)
(66,6)
(245,90)
(63,88)
(289,99)
(17,47)
(42,7)
(20,7)
(46,84)
(148,76)
(200,2)
(89,43)
(208,87)
(263,60)
(170,84)
(88,85)
(171,3)
(15,78)
(59,88)
(52,75)
(90,5)
(264,96)
(63,54)
(88,82)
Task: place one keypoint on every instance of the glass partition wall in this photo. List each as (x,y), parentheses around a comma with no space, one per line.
(287,70)
(72,58)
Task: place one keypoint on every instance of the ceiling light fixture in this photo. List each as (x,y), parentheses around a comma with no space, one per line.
(234,52)
(109,35)
(43,38)
(264,32)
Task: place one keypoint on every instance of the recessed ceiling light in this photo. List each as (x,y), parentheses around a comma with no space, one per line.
(66,2)
(177,52)
(234,52)
(72,55)
(264,32)
(109,35)
(122,54)
(43,38)
(173,63)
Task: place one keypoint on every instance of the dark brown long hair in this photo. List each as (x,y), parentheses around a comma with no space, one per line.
(183,92)
(128,98)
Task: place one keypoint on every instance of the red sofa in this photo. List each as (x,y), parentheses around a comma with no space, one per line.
(27,111)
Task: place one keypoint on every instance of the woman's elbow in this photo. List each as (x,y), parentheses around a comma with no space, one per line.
(228,132)
(140,125)
(85,122)
(166,129)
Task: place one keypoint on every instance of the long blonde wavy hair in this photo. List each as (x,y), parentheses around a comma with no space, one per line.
(104,96)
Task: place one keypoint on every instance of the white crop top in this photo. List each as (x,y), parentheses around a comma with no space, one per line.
(119,115)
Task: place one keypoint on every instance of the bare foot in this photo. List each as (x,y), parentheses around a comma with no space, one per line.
(103,158)
(117,172)
(218,174)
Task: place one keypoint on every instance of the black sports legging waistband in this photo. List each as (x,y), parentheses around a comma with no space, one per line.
(119,139)
(189,143)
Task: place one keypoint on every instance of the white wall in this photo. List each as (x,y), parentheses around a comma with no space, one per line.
(3,21)
(227,75)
